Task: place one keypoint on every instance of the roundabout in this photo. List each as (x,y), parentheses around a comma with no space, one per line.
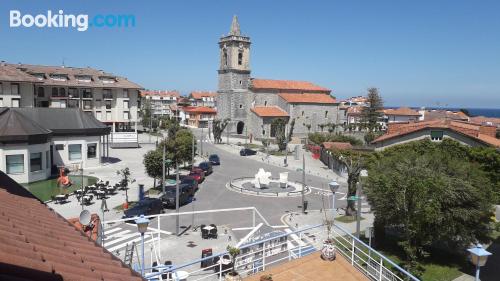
(274,188)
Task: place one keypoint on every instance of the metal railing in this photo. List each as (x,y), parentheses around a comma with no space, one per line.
(258,256)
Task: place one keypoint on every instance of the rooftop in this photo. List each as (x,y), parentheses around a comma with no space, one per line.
(269,111)
(337,145)
(313,268)
(38,244)
(200,95)
(287,85)
(199,109)
(435,114)
(146,93)
(12,74)
(402,111)
(308,98)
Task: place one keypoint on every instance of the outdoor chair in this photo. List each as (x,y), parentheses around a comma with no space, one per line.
(205,234)
(213,232)
(168,275)
(215,262)
(154,265)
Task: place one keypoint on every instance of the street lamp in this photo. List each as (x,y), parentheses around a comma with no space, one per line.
(334,187)
(142,226)
(478,257)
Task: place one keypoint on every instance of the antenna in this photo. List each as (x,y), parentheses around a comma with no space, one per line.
(63,62)
(85,217)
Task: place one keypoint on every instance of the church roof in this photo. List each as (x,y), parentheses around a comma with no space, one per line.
(287,85)
(235,27)
(269,111)
(308,98)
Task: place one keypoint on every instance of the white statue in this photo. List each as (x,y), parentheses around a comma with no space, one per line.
(262,179)
(284,179)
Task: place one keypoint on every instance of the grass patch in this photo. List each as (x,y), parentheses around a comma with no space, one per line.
(120,207)
(347,219)
(253,146)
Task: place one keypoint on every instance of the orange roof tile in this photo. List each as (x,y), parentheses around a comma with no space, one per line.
(160,93)
(354,110)
(265,84)
(308,98)
(269,111)
(402,111)
(199,109)
(485,120)
(38,244)
(200,95)
(337,145)
(465,128)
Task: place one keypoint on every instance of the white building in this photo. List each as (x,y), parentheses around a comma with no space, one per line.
(34,141)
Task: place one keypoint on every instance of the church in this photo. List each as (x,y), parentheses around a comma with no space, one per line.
(252,104)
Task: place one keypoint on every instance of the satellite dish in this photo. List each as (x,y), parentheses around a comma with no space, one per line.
(85,217)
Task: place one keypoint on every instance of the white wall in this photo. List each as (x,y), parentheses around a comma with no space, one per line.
(61,157)
(25,150)
(25,94)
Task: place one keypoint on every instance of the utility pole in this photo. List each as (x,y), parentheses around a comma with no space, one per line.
(192,153)
(177,197)
(163,169)
(358,211)
(303,183)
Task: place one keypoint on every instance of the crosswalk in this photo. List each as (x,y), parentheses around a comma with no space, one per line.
(117,238)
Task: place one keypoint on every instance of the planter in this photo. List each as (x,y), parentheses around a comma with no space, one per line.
(328,251)
(230,277)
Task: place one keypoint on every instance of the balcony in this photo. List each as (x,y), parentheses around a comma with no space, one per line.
(107,96)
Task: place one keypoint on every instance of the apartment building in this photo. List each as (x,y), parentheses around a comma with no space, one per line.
(111,99)
(163,103)
(206,99)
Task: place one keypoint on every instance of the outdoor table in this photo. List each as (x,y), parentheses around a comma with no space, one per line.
(109,189)
(208,227)
(79,191)
(180,275)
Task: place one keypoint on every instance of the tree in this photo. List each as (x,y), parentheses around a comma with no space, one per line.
(354,162)
(291,126)
(148,120)
(172,125)
(322,127)
(218,127)
(371,114)
(279,126)
(153,163)
(465,111)
(430,194)
(331,127)
(125,180)
(318,139)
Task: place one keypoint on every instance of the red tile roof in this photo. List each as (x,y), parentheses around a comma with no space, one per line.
(160,93)
(308,98)
(481,133)
(402,111)
(354,110)
(486,120)
(38,244)
(437,114)
(286,85)
(200,95)
(199,109)
(337,145)
(269,111)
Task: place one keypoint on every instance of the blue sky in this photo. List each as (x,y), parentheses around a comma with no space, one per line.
(416,52)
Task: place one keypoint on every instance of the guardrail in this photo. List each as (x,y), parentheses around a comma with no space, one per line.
(257,256)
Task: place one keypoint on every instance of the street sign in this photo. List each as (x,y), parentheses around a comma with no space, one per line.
(353,198)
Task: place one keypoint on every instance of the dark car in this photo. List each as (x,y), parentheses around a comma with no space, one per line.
(168,198)
(147,206)
(214,159)
(197,174)
(192,182)
(206,167)
(247,151)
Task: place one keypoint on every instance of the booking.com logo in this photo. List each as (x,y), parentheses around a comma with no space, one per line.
(81,22)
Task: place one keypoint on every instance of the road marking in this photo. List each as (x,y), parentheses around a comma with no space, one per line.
(114,248)
(295,237)
(112,230)
(117,235)
(108,243)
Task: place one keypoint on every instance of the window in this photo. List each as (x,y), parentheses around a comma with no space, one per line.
(326,113)
(436,135)
(83,78)
(15,102)
(47,159)
(91,150)
(125,115)
(1,89)
(14,89)
(125,93)
(108,104)
(75,151)
(240,58)
(41,92)
(62,92)
(98,115)
(87,104)
(55,92)
(86,93)
(265,103)
(98,104)
(263,132)
(241,106)
(302,113)
(1,102)
(73,103)
(125,104)
(15,164)
(108,115)
(106,93)
(224,62)
(73,93)
(35,161)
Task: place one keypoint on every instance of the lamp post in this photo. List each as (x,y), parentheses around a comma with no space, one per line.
(142,226)
(478,257)
(334,187)
(362,174)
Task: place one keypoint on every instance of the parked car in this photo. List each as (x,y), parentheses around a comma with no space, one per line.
(206,167)
(197,174)
(168,198)
(147,206)
(214,159)
(247,151)
(192,182)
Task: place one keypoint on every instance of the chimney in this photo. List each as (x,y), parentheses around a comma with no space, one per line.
(488,130)
(422,114)
(2,63)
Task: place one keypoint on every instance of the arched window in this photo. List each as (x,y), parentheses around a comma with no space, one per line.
(240,58)
(41,92)
(265,103)
(224,62)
